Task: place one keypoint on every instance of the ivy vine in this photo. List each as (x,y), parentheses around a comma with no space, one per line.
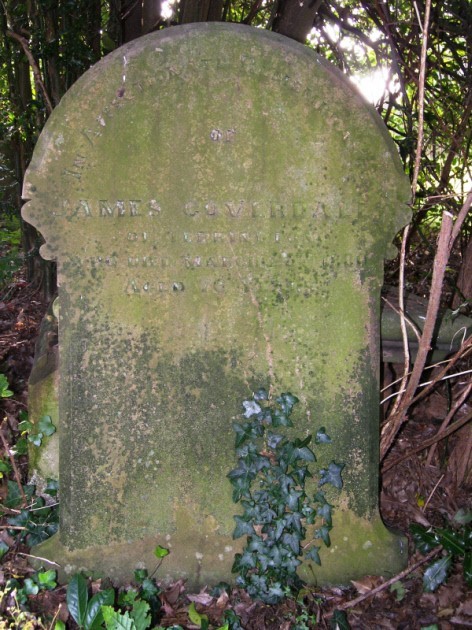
(269,483)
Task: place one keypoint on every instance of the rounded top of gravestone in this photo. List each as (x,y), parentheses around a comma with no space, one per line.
(213,119)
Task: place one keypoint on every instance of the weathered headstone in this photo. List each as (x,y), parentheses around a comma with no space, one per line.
(219,202)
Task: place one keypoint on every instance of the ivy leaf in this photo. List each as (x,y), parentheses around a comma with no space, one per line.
(46,426)
(325,512)
(52,487)
(243,528)
(273,439)
(280,419)
(339,621)
(292,540)
(47,580)
(321,437)
(332,475)
(30,587)
(436,573)
(323,533)
(261,394)
(161,552)
(314,555)
(251,408)
(287,402)
(4,391)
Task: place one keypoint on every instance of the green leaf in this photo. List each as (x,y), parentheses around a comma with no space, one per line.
(59,625)
(463,517)
(46,426)
(25,426)
(35,438)
(47,579)
(425,539)
(94,617)
(323,533)
(261,394)
(287,402)
(314,555)
(3,548)
(161,552)
(149,590)
(451,541)
(251,408)
(30,587)
(243,528)
(399,590)
(321,437)
(332,475)
(339,621)
(140,575)
(4,391)
(77,598)
(195,617)
(436,573)
(52,487)
(140,614)
(115,620)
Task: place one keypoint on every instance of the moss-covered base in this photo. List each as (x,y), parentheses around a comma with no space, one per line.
(359,547)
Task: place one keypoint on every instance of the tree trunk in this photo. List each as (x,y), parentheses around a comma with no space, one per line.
(464,280)
(294,18)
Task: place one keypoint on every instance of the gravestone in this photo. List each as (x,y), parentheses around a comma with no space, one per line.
(219,202)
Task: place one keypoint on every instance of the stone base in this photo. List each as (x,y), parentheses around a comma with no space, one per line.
(359,547)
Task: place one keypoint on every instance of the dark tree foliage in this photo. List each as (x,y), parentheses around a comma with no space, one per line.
(46,45)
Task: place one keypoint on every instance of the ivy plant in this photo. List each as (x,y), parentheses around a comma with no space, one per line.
(456,541)
(269,484)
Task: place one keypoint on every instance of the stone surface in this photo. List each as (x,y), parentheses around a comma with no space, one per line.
(219,202)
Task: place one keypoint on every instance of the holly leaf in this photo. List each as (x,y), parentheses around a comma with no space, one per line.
(436,573)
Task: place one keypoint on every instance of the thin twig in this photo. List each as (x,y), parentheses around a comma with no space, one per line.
(14,466)
(401,302)
(461,218)
(431,494)
(456,406)
(426,383)
(28,555)
(437,438)
(388,583)
(421,85)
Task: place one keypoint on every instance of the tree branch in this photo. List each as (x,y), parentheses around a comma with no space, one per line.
(35,68)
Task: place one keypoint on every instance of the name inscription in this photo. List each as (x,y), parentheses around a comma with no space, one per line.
(242,209)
